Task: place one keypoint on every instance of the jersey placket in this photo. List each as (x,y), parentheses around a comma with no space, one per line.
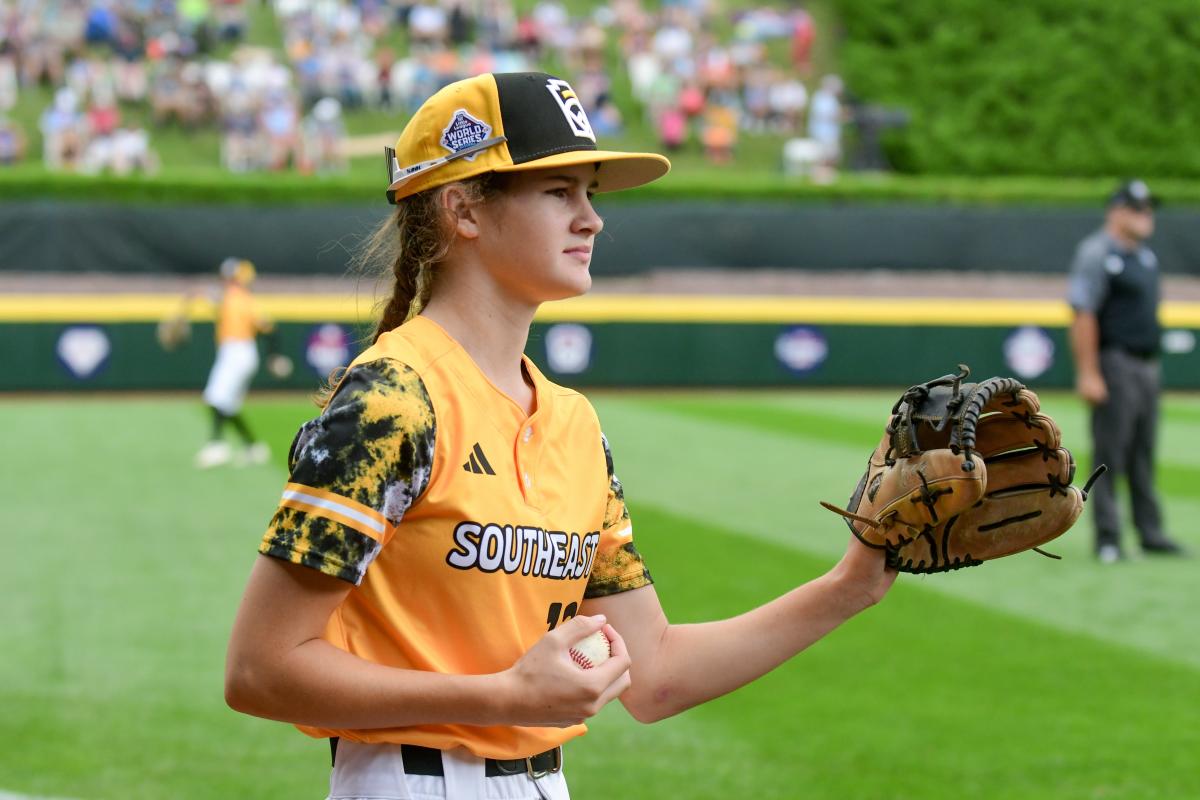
(526,450)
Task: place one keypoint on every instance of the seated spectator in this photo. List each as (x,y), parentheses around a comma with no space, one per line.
(756,99)
(231,20)
(460,26)
(385,62)
(42,62)
(103,116)
(324,134)
(280,125)
(241,149)
(606,119)
(12,142)
(720,133)
(672,128)
(427,26)
(691,100)
(63,135)
(131,152)
(8,83)
(787,98)
(168,95)
(804,33)
(101,24)
(825,117)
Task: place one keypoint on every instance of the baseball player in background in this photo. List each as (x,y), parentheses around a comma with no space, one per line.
(452,524)
(238,325)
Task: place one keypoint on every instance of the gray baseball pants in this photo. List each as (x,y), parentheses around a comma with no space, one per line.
(1124,430)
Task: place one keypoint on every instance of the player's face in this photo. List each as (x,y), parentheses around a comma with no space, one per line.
(537,236)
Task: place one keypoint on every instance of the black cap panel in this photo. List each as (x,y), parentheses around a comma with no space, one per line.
(1133,194)
(542,116)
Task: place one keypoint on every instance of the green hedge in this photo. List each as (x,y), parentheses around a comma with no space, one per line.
(1050,87)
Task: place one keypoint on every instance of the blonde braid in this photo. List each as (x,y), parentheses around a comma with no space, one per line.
(412,243)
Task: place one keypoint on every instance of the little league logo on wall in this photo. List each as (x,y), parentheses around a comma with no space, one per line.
(571,107)
(801,349)
(328,348)
(1029,351)
(568,349)
(83,350)
(464,131)
(1178,342)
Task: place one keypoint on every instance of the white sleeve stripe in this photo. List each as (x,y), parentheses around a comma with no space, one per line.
(330,505)
(625,532)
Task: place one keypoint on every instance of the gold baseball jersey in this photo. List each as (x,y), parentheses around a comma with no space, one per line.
(468,528)
(237,318)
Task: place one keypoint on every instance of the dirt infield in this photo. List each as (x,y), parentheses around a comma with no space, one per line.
(775,283)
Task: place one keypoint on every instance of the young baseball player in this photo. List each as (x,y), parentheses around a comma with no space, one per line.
(238,325)
(453,524)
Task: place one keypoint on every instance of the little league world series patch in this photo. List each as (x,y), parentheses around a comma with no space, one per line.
(463,132)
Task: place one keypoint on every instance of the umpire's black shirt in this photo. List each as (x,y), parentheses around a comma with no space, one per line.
(1121,288)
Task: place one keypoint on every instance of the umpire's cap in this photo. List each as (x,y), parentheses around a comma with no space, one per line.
(1133,194)
(506,122)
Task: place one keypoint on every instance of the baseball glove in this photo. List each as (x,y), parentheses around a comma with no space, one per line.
(964,473)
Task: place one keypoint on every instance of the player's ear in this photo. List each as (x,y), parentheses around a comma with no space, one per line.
(461,210)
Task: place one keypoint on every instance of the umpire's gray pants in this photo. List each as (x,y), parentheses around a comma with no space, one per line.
(1124,430)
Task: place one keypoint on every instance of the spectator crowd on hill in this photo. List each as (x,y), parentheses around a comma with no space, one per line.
(121,69)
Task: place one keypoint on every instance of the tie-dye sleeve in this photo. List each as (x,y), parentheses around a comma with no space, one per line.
(618,566)
(355,470)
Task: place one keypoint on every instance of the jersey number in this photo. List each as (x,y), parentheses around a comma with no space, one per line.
(553,618)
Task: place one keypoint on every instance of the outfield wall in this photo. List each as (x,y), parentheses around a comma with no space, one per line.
(81,237)
(108,342)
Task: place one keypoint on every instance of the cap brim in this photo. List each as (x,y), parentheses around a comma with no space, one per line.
(617,170)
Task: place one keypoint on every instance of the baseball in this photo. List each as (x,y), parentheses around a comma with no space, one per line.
(592,651)
(279,366)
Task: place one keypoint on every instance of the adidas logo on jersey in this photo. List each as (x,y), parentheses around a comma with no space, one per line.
(478,462)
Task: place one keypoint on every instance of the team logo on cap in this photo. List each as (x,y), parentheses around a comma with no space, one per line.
(463,132)
(571,107)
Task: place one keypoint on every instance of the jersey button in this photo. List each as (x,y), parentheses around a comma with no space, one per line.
(525,478)
(527,435)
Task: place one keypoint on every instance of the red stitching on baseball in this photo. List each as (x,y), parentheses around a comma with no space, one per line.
(579,658)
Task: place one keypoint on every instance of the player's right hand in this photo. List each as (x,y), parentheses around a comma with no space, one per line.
(545,688)
(1091,388)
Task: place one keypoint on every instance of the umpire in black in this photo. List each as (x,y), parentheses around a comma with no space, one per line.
(1115,334)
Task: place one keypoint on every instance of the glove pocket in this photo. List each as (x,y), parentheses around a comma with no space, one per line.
(1007,433)
(1041,470)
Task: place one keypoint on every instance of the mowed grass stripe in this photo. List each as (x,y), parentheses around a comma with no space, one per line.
(1175,477)
(766,484)
(118,609)
(746,412)
(921,697)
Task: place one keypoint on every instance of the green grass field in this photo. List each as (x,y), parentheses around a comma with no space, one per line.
(1024,678)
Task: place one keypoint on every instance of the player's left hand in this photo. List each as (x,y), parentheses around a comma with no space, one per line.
(864,572)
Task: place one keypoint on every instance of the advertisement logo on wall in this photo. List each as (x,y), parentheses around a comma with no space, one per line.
(328,348)
(1029,351)
(83,350)
(801,349)
(568,348)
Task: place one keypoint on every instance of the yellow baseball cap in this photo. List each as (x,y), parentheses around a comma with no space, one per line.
(239,270)
(506,122)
